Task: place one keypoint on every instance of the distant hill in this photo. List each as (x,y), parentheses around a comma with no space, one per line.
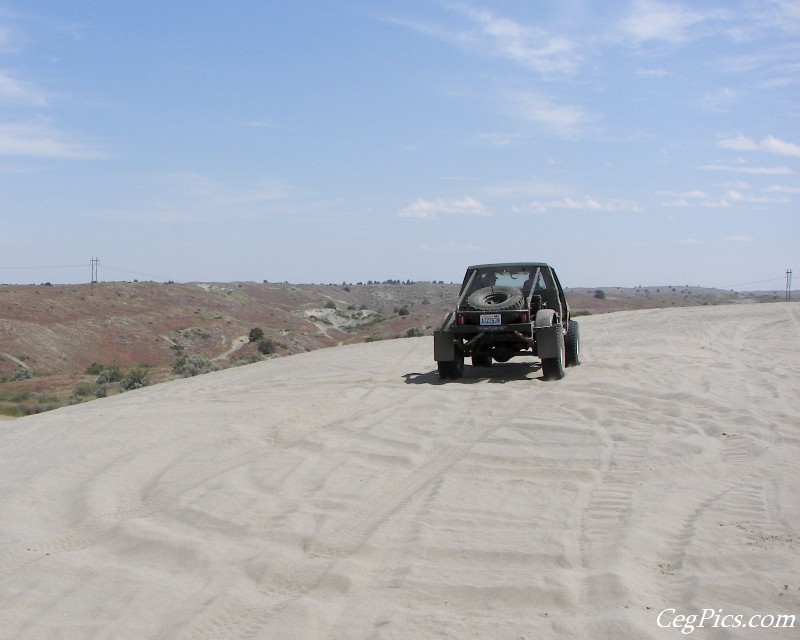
(50,336)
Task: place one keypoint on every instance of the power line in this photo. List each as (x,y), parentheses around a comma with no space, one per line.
(744,284)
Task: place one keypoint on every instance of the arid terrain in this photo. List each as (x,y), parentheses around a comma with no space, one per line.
(54,340)
(350,493)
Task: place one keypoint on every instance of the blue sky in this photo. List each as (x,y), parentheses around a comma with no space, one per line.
(633,142)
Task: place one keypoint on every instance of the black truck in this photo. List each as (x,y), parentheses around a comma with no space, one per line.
(507,310)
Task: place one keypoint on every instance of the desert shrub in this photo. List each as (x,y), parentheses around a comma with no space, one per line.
(266,346)
(94,369)
(600,294)
(22,374)
(256,334)
(135,379)
(195,365)
(101,391)
(84,389)
(402,311)
(330,304)
(414,332)
(109,375)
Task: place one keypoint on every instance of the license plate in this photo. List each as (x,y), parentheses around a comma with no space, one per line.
(490,319)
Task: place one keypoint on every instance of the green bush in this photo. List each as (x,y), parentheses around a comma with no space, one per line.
(189,366)
(109,375)
(84,389)
(266,346)
(22,374)
(94,369)
(256,334)
(136,379)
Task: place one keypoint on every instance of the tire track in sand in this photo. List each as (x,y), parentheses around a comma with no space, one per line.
(285,580)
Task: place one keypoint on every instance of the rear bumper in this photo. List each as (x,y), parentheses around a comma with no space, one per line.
(467,330)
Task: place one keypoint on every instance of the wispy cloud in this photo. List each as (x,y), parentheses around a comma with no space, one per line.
(528,45)
(777,188)
(587,203)
(702,200)
(37,139)
(650,20)
(488,33)
(719,100)
(15,91)
(769,144)
(431,209)
(564,120)
(772,171)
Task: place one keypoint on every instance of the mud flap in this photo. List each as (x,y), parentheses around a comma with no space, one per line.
(548,341)
(444,348)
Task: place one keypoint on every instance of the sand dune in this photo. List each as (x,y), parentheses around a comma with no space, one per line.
(347,493)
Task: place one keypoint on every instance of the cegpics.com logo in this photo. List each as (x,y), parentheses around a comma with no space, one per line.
(717,619)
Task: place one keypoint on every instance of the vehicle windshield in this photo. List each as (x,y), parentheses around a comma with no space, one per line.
(523,278)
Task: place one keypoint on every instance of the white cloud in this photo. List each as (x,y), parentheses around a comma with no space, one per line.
(769,144)
(566,121)
(587,203)
(531,46)
(776,188)
(718,101)
(38,140)
(738,196)
(671,23)
(15,91)
(700,199)
(430,209)
(772,171)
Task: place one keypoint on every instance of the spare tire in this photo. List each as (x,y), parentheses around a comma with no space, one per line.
(496,299)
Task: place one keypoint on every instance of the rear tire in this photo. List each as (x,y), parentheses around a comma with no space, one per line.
(553,368)
(451,369)
(572,345)
(481,360)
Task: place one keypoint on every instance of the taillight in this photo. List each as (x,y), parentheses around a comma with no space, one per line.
(524,317)
(460,320)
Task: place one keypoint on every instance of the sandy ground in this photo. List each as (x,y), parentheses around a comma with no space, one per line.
(347,493)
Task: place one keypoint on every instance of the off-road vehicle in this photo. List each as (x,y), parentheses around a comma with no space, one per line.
(507,310)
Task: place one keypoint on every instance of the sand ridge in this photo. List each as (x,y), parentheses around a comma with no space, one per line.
(348,493)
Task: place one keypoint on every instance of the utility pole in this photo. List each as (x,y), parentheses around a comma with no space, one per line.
(788,285)
(94,272)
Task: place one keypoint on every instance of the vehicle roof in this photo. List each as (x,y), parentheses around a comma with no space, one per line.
(509,264)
